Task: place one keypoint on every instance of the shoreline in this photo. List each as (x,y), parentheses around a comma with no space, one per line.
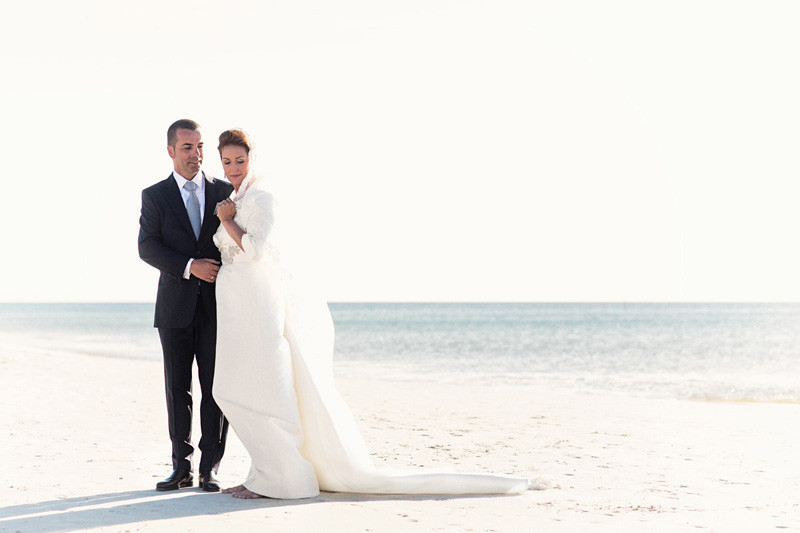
(86,440)
(724,352)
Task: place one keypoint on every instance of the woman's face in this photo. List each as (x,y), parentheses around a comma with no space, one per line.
(235,163)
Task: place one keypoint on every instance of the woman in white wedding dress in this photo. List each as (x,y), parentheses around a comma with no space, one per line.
(273,378)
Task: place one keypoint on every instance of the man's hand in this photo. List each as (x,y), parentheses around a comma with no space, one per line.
(205,269)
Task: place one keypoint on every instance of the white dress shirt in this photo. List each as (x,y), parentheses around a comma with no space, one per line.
(199,180)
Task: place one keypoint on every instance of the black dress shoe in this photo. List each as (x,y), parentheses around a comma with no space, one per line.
(177,480)
(208,482)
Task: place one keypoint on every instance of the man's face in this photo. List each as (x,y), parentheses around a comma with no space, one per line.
(187,154)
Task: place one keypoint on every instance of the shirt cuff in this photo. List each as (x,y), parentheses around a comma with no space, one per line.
(187,272)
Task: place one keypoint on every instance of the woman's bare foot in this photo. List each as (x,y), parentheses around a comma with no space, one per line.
(246,494)
(234,490)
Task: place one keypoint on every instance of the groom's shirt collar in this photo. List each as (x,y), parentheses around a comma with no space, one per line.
(199,180)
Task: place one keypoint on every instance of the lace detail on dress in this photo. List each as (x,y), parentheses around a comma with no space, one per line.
(272,254)
(228,253)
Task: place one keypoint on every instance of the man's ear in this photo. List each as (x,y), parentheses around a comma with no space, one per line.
(171,151)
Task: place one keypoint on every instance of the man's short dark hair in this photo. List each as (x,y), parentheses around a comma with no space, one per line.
(182,124)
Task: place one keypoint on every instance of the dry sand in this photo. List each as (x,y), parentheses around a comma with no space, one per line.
(84,441)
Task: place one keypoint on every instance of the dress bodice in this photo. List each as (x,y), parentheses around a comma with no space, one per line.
(255,214)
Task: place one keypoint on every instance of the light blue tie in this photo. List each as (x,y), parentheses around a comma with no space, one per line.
(193,207)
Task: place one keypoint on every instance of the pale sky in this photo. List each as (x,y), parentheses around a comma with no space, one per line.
(428,150)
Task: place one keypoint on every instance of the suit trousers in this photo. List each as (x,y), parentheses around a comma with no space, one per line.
(181,346)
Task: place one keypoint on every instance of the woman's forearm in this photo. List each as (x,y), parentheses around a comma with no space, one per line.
(234,231)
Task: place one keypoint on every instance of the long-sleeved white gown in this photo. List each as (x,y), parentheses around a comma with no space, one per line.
(274,380)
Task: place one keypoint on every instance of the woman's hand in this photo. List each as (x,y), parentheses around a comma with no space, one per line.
(226,209)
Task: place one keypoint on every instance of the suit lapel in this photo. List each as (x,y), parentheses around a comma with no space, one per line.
(212,193)
(175,201)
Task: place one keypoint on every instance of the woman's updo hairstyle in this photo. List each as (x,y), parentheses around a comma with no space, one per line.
(234,137)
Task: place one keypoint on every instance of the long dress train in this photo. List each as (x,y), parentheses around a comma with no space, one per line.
(274,380)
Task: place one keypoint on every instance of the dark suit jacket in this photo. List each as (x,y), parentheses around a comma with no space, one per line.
(167,242)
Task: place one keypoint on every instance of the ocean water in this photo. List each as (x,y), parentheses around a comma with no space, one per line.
(730,351)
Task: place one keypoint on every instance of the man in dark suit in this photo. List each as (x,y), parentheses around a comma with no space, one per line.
(175,236)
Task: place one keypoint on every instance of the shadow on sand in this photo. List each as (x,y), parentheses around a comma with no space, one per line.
(115,509)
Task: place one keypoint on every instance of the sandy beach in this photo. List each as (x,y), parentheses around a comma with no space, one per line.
(84,440)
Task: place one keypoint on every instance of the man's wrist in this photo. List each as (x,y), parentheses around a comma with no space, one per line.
(187,272)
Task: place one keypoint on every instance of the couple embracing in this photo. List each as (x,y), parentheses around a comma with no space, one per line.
(263,349)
